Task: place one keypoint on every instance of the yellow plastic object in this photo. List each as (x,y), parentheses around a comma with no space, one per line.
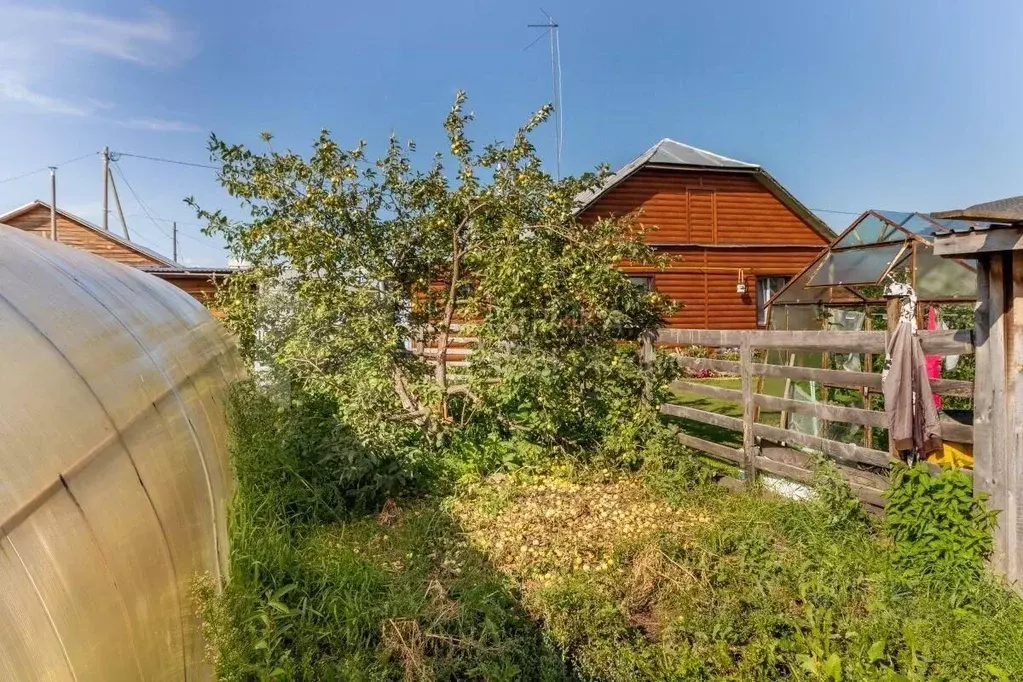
(114,477)
(959,455)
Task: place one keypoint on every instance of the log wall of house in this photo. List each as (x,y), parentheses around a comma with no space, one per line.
(714,223)
(37,221)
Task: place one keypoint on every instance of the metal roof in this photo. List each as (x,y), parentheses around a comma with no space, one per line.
(1000,210)
(138,248)
(188,270)
(669,153)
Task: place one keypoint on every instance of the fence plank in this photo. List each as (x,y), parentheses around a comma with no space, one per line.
(825,411)
(867,494)
(838,377)
(846,451)
(716,449)
(944,342)
(702,416)
(726,366)
(708,390)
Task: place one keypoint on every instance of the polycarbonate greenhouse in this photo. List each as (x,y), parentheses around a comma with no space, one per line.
(114,476)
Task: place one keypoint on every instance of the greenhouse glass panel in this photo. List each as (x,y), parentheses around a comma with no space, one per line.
(858,266)
(938,277)
(870,230)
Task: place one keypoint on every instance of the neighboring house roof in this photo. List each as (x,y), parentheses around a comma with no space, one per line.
(1001,210)
(670,153)
(188,270)
(128,244)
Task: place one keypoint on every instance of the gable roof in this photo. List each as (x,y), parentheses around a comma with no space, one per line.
(669,153)
(1000,210)
(126,243)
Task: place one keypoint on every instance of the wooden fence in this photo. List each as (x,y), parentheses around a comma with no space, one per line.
(783,451)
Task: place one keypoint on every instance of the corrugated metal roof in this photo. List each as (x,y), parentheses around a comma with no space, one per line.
(667,152)
(1001,210)
(671,153)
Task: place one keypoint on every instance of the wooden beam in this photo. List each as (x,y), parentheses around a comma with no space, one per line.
(845,451)
(716,449)
(825,411)
(708,390)
(725,366)
(702,416)
(983,241)
(945,342)
(866,494)
(837,377)
(1014,416)
(993,376)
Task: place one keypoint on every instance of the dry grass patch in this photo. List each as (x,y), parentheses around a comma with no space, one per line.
(545,528)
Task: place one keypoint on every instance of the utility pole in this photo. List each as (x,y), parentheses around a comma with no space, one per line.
(174,239)
(106,188)
(53,203)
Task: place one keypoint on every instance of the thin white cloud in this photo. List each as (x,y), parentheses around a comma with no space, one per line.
(42,45)
(162,125)
(154,39)
(12,90)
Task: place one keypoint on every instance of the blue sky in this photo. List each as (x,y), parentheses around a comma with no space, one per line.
(901,104)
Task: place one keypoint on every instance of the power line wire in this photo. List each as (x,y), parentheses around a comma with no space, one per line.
(163,160)
(138,200)
(47,167)
(829,210)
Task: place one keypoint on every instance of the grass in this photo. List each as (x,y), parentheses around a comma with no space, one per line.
(571,574)
(730,408)
(703,584)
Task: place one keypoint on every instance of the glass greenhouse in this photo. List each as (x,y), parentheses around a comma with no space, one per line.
(114,476)
(843,289)
(879,246)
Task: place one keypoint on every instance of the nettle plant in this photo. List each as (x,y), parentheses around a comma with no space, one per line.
(936,523)
(352,262)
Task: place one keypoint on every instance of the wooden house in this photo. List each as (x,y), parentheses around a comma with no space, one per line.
(74,231)
(736,233)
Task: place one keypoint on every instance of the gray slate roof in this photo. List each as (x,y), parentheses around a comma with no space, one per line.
(1001,210)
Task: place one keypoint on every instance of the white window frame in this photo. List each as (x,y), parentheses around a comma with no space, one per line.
(767,287)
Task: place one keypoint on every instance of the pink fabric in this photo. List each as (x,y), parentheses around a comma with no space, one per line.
(933,361)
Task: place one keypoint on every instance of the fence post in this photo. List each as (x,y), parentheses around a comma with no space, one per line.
(748,409)
(646,359)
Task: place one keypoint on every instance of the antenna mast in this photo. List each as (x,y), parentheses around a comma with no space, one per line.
(551,30)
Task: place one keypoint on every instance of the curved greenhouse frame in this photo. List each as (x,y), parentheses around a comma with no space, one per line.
(114,477)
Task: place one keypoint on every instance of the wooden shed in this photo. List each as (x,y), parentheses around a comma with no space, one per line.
(34,217)
(737,233)
(998,398)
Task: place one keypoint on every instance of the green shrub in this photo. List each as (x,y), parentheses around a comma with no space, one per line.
(935,522)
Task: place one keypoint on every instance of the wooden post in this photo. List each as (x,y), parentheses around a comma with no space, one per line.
(746,377)
(53,203)
(1014,418)
(868,366)
(892,314)
(646,359)
(106,189)
(990,407)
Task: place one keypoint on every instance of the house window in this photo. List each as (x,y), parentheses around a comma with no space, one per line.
(644,283)
(766,288)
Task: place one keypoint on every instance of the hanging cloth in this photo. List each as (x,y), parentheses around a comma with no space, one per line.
(933,361)
(908,402)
